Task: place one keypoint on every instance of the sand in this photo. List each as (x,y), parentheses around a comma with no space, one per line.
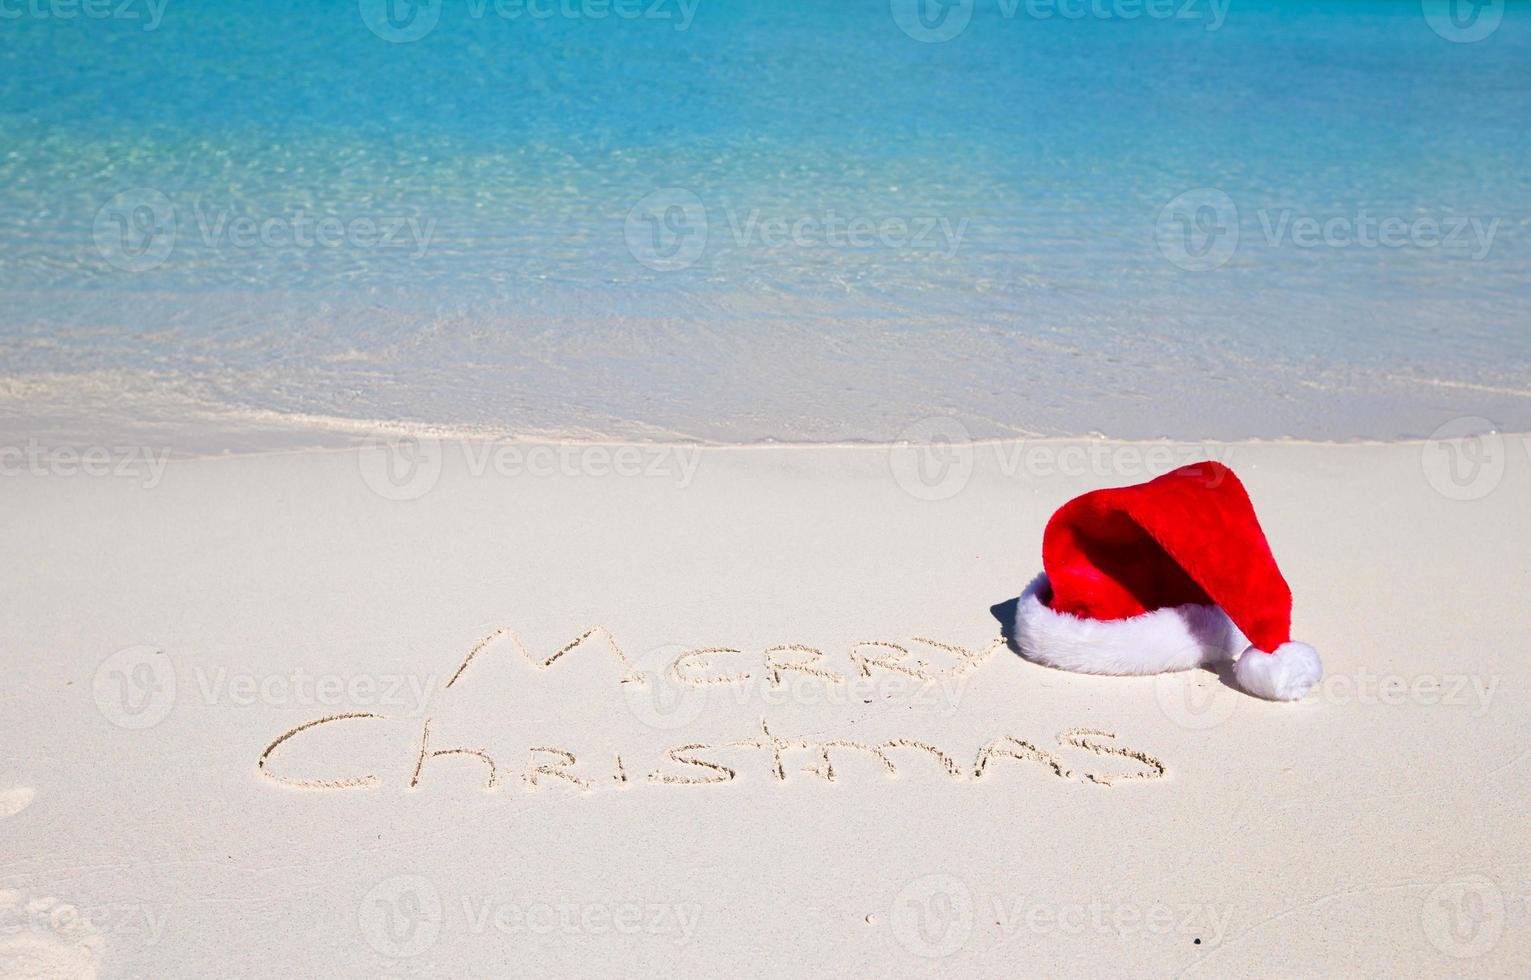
(538,710)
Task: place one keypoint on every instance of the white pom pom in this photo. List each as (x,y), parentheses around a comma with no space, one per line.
(1284,675)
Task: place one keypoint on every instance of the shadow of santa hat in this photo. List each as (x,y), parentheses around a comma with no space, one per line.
(1166,575)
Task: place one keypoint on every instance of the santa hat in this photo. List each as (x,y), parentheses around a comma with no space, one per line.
(1166,575)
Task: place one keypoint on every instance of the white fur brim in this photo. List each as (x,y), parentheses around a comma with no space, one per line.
(1285,675)
(1172,638)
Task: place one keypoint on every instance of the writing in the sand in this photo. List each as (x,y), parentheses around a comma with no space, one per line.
(1087,755)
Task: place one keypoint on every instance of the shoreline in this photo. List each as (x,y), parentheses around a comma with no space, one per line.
(304,433)
(792,380)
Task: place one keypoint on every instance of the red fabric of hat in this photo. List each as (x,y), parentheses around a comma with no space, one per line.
(1189,536)
(1165,575)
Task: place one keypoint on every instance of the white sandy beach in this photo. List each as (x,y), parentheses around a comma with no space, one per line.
(757,808)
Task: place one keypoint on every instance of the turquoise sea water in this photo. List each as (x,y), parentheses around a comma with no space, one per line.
(763,219)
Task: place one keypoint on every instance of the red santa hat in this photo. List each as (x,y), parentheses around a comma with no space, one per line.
(1166,575)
